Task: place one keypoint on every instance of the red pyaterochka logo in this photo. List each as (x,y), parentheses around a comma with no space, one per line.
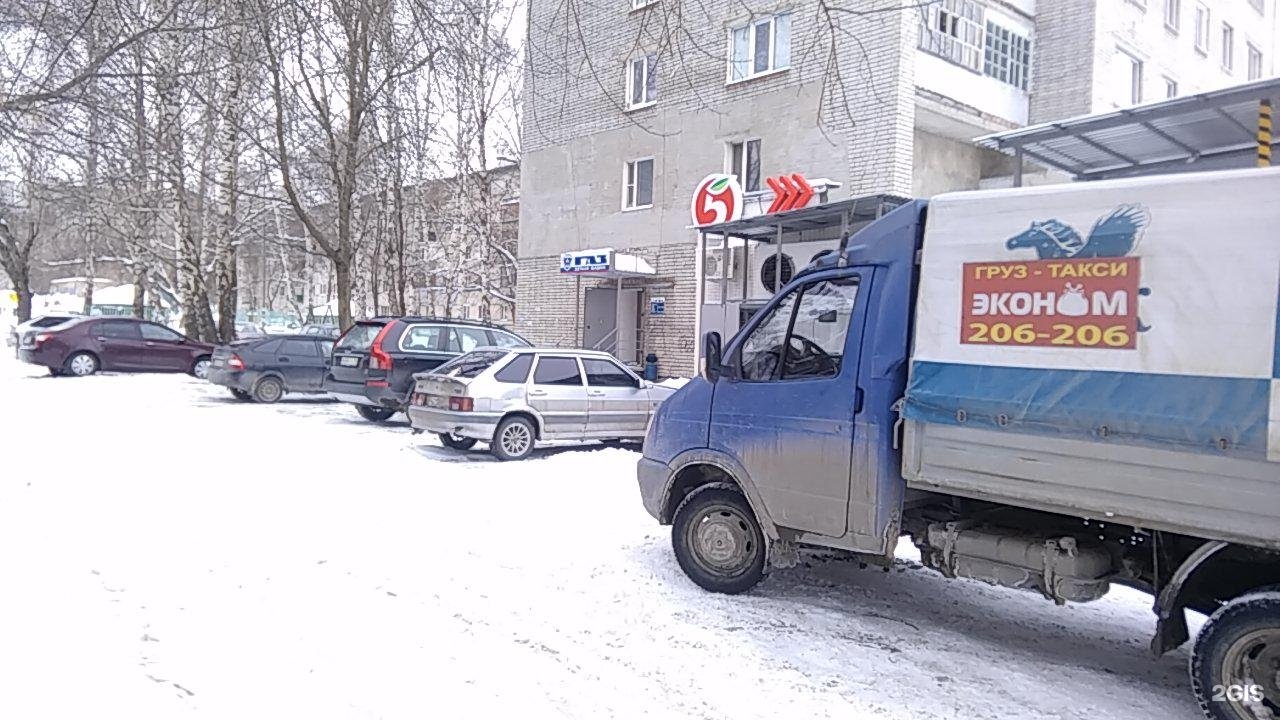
(718,199)
(790,192)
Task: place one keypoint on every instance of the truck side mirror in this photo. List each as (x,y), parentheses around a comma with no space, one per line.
(711,359)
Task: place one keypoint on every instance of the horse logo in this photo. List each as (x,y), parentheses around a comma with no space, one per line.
(1114,235)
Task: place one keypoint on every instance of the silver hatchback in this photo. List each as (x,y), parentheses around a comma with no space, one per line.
(513,398)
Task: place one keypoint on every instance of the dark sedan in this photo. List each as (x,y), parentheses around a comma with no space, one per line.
(266,368)
(85,346)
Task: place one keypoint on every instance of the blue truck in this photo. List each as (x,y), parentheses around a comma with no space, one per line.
(1057,389)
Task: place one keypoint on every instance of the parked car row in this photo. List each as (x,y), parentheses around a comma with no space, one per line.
(468,382)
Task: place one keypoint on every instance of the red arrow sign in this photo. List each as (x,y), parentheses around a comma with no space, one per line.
(790,192)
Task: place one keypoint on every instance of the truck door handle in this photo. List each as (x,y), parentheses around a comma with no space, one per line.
(857,400)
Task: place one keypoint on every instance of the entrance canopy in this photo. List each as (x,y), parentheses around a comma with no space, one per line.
(843,214)
(1209,131)
(604,263)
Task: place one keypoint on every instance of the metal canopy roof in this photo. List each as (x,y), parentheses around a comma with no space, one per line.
(1208,131)
(765,228)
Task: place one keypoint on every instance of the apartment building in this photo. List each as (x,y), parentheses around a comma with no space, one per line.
(630,103)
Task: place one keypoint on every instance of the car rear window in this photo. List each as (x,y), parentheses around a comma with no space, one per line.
(516,371)
(359,337)
(471,364)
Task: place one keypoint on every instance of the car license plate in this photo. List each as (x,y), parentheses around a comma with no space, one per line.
(435,401)
(348,361)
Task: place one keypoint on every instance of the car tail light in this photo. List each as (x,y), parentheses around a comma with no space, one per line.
(42,338)
(378,358)
(235,363)
(459,403)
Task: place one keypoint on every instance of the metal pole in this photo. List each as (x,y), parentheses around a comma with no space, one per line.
(617,320)
(777,263)
(724,276)
(1264,133)
(1017,168)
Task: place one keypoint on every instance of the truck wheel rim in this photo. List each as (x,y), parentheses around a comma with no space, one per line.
(82,365)
(516,439)
(722,540)
(1254,661)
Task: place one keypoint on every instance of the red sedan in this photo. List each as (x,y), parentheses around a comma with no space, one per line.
(86,345)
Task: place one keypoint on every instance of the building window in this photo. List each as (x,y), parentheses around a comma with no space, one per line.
(1007,57)
(762,46)
(953,30)
(1170,88)
(1202,28)
(744,164)
(638,190)
(1228,46)
(1173,14)
(642,81)
(1135,76)
(638,4)
(1255,62)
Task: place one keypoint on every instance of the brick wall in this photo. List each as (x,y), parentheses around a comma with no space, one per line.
(1063,71)
(549,305)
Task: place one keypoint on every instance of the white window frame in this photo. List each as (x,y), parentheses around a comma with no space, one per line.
(642,4)
(630,81)
(1255,68)
(1204,23)
(741,172)
(1259,5)
(630,187)
(1228,47)
(1137,77)
(1007,52)
(1170,87)
(752,27)
(1173,16)
(948,26)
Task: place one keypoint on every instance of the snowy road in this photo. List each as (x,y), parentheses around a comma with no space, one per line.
(167,552)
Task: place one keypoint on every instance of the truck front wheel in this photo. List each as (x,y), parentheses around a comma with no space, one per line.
(717,540)
(1235,666)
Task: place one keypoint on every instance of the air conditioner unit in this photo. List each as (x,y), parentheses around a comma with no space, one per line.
(715,267)
(795,257)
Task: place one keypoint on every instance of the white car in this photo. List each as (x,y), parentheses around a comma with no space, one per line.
(36,323)
(513,398)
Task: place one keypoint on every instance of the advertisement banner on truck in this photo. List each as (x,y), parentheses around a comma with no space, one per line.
(1146,307)
(1052,303)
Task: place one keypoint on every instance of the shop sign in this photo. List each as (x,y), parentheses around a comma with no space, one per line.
(658,306)
(717,199)
(586,261)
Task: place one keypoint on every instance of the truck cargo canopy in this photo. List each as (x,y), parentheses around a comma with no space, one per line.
(1214,130)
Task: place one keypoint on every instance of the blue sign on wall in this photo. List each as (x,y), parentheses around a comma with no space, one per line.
(658,306)
(585,261)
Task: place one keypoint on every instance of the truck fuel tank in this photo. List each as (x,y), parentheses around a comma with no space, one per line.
(1058,567)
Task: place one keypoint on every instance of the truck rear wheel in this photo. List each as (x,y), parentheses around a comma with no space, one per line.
(1235,666)
(717,540)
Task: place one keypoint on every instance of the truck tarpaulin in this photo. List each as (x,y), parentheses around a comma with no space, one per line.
(1140,311)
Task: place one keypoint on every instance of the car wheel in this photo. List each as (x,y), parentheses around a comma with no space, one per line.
(457,442)
(513,440)
(82,364)
(201,367)
(1235,665)
(241,395)
(374,414)
(268,390)
(717,540)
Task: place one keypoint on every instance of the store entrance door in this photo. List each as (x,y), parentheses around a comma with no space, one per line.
(601,314)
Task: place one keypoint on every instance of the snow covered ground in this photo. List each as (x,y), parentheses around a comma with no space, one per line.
(167,552)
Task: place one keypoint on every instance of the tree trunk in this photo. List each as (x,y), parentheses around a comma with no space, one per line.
(342,277)
(140,294)
(24,302)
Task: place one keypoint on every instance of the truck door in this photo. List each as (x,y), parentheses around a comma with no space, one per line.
(785,405)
